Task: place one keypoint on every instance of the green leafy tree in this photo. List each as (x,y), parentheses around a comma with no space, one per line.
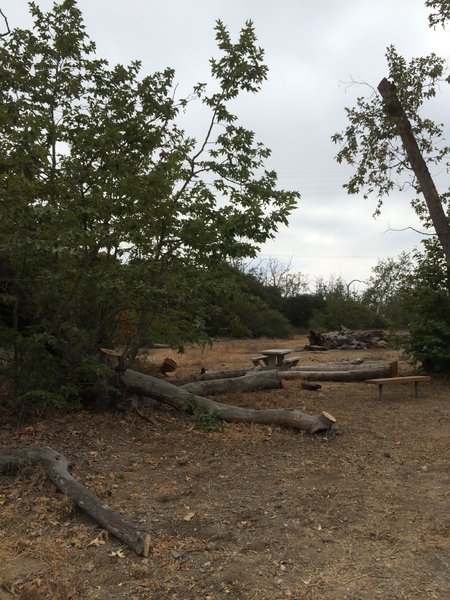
(385,287)
(108,205)
(340,307)
(280,276)
(424,301)
(390,142)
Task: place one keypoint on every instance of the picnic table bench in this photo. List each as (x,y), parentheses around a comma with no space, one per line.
(416,379)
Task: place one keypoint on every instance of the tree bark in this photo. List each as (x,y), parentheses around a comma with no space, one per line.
(210,376)
(57,468)
(146,385)
(344,373)
(440,221)
(258,380)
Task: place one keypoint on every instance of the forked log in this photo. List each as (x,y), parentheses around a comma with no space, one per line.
(145,385)
(258,380)
(58,468)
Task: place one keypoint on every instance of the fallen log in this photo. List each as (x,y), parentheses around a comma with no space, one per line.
(211,376)
(356,374)
(374,366)
(145,385)
(258,380)
(58,467)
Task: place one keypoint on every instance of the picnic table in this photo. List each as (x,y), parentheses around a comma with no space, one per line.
(274,357)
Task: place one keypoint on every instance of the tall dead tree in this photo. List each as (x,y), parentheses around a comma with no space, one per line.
(441,224)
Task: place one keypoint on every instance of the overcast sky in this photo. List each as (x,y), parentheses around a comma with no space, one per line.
(313,49)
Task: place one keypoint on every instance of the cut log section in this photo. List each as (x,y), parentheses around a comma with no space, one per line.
(58,468)
(145,385)
(309,385)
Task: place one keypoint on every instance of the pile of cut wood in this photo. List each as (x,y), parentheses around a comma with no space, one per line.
(346,339)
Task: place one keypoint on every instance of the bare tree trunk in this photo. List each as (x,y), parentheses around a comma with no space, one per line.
(58,469)
(145,385)
(440,222)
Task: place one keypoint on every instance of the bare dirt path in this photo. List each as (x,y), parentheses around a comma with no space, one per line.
(250,512)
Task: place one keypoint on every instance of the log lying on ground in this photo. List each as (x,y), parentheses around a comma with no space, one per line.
(57,468)
(258,380)
(211,376)
(343,366)
(349,373)
(145,385)
(346,338)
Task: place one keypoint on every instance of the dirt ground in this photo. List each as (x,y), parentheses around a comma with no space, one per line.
(251,511)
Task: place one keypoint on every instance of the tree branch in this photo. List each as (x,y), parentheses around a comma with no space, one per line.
(8,30)
(406,228)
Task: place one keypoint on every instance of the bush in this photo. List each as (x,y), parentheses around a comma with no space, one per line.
(343,311)
(260,320)
(428,341)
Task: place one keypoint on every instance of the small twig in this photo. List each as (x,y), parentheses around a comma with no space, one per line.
(412,229)
(8,30)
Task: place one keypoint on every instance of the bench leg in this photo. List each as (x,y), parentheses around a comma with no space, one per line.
(380,391)
(416,388)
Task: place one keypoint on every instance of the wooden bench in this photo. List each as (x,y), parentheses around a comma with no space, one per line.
(416,379)
(260,361)
(291,362)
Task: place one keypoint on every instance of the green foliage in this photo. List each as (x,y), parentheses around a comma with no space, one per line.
(257,309)
(370,142)
(384,293)
(426,303)
(108,205)
(385,142)
(441,13)
(350,312)
(278,276)
(428,341)
(259,319)
(339,307)
(205,421)
(300,309)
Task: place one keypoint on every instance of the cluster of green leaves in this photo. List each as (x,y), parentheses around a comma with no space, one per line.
(205,421)
(383,161)
(340,307)
(370,142)
(425,302)
(107,204)
(440,12)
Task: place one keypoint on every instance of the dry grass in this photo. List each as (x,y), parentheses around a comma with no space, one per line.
(223,355)
(277,514)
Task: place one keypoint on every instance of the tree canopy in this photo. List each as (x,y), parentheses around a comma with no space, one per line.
(108,207)
(391,143)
